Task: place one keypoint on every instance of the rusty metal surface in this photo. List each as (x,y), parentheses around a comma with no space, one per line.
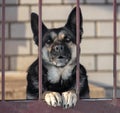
(77,47)
(40,48)
(115,49)
(101,106)
(3,50)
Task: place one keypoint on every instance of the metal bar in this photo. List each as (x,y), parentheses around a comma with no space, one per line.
(41,107)
(115,50)
(40,49)
(78,47)
(3,50)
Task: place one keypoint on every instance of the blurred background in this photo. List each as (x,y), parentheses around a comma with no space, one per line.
(96,46)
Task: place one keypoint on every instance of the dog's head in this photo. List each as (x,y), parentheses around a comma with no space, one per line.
(58,44)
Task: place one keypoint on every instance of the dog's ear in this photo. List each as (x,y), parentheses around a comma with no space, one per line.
(71,22)
(34,26)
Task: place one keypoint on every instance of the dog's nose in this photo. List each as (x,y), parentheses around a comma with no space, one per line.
(59,48)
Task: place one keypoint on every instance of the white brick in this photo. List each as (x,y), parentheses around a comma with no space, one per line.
(97,12)
(118,28)
(10,1)
(118,79)
(53,12)
(0,13)
(118,13)
(51,1)
(15,47)
(118,62)
(119,45)
(95,1)
(88,62)
(72,1)
(97,46)
(29,1)
(34,48)
(15,13)
(111,1)
(21,30)
(105,29)
(59,24)
(6,63)
(6,31)
(105,62)
(36,1)
(89,29)
(22,63)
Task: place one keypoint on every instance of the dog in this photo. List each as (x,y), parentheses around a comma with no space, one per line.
(58,64)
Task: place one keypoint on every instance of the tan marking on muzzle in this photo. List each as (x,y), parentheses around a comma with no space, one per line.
(61,35)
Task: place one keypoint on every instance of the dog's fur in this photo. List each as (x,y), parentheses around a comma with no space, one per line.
(59,64)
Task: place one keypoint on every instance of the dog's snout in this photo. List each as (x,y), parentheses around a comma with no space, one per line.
(59,48)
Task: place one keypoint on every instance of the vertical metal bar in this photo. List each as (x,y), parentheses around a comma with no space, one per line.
(78,47)
(115,50)
(40,49)
(3,50)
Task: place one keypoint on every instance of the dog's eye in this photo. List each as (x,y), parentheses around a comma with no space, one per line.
(67,39)
(49,41)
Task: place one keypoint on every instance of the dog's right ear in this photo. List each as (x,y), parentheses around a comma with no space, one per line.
(34,26)
(71,22)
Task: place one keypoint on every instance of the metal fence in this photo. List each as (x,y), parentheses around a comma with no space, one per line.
(83,106)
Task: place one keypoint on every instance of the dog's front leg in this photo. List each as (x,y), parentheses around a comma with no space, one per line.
(69,99)
(52,98)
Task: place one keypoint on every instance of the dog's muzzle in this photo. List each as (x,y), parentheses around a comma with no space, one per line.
(60,55)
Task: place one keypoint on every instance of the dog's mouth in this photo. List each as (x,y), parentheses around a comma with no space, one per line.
(60,61)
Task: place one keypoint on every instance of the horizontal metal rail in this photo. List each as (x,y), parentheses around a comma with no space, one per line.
(101,106)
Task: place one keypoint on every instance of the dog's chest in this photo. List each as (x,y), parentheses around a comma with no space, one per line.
(57,74)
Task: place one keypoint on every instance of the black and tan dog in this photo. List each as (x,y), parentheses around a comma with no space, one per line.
(59,64)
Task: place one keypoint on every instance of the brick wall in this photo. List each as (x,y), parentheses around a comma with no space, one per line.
(97,44)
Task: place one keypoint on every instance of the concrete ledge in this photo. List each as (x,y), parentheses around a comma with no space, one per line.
(15,86)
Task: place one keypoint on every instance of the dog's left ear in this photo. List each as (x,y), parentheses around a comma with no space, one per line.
(71,22)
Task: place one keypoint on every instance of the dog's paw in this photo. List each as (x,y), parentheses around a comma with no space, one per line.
(69,99)
(53,99)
